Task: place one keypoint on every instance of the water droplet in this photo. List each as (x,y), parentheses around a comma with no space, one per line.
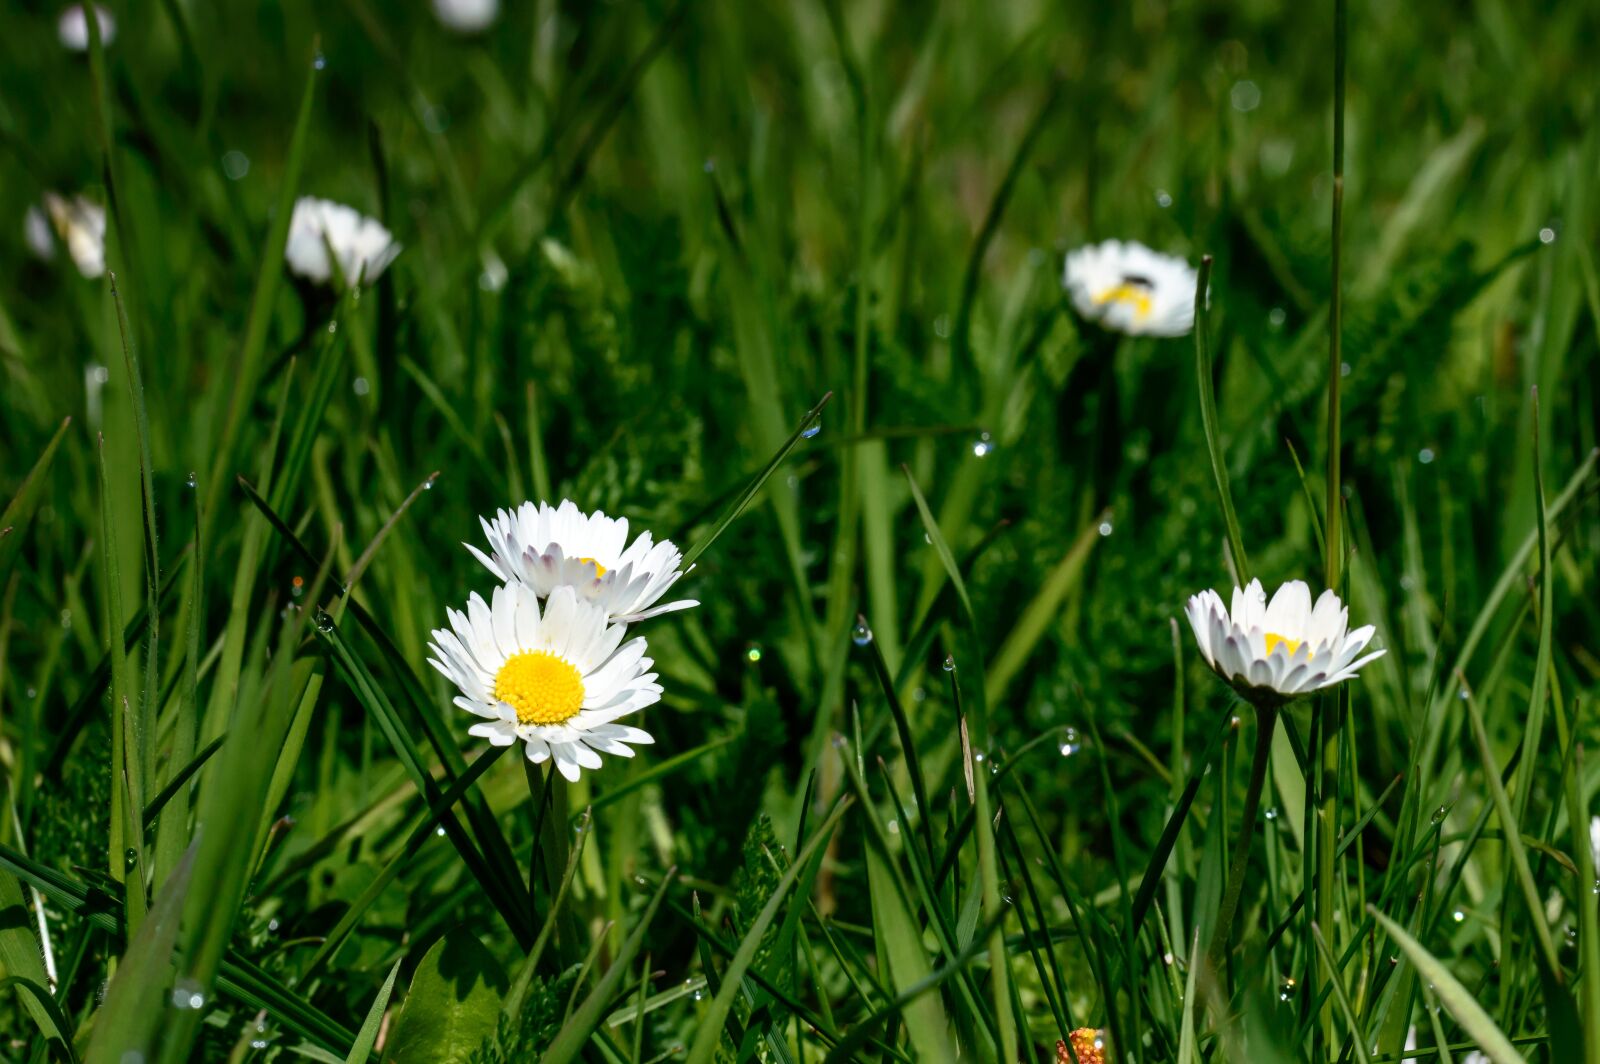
(1596,888)
(1245,96)
(1458,916)
(1287,990)
(752,653)
(1271,813)
(893,827)
(333,327)
(941,325)
(1462,694)
(235,164)
(324,621)
(699,995)
(191,480)
(320,61)
(273,925)
(949,663)
(1547,235)
(439,831)
(861,635)
(1344,369)
(978,756)
(186,994)
(1438,815)
(1234,722)
(130,858)
(810,432)
(983,444)
(66,618)
(1070,742)
(1425,456)
(361,386)
(1105,528)
(1276,317)
(1163,198)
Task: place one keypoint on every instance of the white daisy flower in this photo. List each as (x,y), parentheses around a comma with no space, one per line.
(1129,288)
(73,28)
(466,16)
(549,547)
(557,681)
(362,245)
(81,225)
(1277,652)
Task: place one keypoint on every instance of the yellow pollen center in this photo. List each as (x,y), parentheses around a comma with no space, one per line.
(599,570)
(541,687)
(1136,296)
(1289,645)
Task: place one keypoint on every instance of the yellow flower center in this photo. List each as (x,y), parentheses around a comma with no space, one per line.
(599,570)
(1289,645)
(541,687)
(1131,293)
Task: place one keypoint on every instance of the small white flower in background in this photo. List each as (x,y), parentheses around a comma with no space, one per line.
(363,247)
(1274,653)
(1594,841)
(37,235)
(466,16)
(81,225)
(1476,1057)
(547,547)
(556,681)
(1127,287)
(73,28)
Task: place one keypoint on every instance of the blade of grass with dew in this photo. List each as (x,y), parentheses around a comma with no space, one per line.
(994,914)
(129,1020)
(1456,998)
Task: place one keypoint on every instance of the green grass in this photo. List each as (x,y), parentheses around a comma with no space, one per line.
(935,776)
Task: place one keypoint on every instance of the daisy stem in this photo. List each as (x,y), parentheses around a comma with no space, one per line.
(1266,724)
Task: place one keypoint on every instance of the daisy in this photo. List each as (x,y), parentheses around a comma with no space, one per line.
(363,247)
(548,547)
(1274,653)
(73,28)
(37,235)
(81,225)
(1089,1045)
(1129,288)
(557,681)
(466,16)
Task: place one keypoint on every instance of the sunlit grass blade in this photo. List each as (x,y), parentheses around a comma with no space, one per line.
(368,1035)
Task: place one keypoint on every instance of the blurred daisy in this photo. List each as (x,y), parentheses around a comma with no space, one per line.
(1129,288)
(81,225)
(466,16)
(556,681)
(549,547)
(1088,1043)
(1276,652)
(73,28)
(37,235)
(362,246)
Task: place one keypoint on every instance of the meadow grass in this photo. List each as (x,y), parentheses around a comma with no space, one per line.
(939,772)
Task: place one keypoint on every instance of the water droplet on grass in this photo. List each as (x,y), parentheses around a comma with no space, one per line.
(811,431)
(861,635)
(982,445)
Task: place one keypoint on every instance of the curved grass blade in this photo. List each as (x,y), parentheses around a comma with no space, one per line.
(20,509)
(59,1029)
(1455,997)
(368,1035)
(1208,418)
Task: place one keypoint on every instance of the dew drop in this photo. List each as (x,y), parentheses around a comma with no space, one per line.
(235,164)
(1547,235)
(1271,813)
(949,663)
(1070,742)
(1276,317)
(66,618)
(1287,990)
(978,756)
(324,621)
(360,386)
(810,432)
(893,827)
(1438,815)
(320,62)
(861,635)
(1458,916)
(752,653)
(186,994)
(1105,528)
(439,831)
(1163,198)
(983,444)
(191,480)
(1425,456)
(333,327)
(130,858)
(1234,722)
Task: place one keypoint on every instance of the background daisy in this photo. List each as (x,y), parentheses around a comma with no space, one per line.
(1127,287)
